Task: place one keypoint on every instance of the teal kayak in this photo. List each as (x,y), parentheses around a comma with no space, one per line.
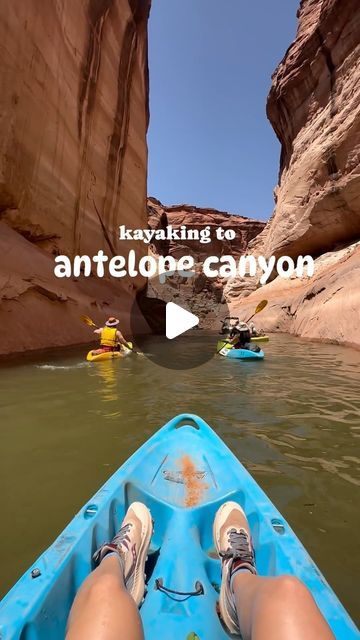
(241,354)
(226,349)
(244,354)
(183,474)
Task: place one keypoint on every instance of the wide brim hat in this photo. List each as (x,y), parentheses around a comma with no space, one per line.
(112,322)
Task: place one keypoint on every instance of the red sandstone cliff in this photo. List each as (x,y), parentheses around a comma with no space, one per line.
(73,159)
(205,296)
(198,218)
(314,107)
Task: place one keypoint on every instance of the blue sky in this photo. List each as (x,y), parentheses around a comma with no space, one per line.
(211,61)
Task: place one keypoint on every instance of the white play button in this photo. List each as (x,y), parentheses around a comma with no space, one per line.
(178,320)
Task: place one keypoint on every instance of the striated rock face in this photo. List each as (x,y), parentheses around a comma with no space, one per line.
(205,296)
(314,107)
(38,310)
(73,156)
(324,308)
(198,218)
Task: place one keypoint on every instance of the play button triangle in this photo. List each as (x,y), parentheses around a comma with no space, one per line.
(178,320)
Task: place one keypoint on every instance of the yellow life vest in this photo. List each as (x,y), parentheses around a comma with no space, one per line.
(108,337)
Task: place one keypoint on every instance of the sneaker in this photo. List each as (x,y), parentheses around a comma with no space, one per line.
(233,543)
(131,543)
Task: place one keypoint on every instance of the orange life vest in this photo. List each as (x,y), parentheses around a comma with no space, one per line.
(108,337)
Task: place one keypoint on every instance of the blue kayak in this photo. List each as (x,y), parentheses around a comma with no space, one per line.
(242,354)
(183,474)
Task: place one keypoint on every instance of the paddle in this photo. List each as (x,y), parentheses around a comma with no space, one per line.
(91,323)
(259,308)
(88,321)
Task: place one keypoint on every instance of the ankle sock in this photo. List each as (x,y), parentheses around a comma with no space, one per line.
(117,555)
(237,568)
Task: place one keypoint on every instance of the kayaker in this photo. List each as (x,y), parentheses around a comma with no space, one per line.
(253,330)
(110,336)
(225,328)
(240,336)
(254,607)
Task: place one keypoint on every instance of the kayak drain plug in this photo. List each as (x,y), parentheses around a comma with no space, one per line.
(35,573)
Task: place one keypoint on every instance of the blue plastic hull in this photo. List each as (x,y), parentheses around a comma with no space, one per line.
(183,475)
(244,354)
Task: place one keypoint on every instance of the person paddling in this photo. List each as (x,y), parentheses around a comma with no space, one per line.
(254,332)
(240,337)
(110,336)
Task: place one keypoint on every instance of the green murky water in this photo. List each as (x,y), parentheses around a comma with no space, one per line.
(293,420)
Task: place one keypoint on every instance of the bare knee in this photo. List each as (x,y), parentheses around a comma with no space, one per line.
(103,586)
(290,588)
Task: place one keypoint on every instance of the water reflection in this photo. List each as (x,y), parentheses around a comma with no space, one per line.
(107,372)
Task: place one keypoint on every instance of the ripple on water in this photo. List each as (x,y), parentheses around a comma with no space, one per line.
(55,367)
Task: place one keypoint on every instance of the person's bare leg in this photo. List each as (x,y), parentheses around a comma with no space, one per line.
(279,608)
(106,606)
(103,609)
(259,608)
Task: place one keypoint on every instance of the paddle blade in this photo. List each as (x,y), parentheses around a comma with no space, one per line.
(260,306)
(88,321)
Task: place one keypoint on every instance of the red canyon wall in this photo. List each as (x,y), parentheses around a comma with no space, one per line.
(199,218)
(204,296)
(314,107)
(73,159)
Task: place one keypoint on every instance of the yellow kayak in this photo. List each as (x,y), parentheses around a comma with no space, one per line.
(260,339)
(100,356)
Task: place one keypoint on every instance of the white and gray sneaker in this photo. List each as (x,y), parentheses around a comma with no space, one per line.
(233,543)
(131,543)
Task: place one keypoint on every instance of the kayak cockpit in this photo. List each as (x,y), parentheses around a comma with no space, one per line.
(183,475)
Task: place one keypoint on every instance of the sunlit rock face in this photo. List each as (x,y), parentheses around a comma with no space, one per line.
(73,158)
(314,107)
(325,307)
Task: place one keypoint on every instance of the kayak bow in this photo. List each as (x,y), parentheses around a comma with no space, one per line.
(260,339)
(96,355)
(183,474)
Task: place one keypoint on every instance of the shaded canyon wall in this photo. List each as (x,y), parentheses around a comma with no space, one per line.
(73,160)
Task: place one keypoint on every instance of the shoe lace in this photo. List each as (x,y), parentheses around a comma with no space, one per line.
(239,546)
(122,538)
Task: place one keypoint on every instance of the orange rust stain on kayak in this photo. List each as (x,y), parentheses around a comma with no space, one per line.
(194,486)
